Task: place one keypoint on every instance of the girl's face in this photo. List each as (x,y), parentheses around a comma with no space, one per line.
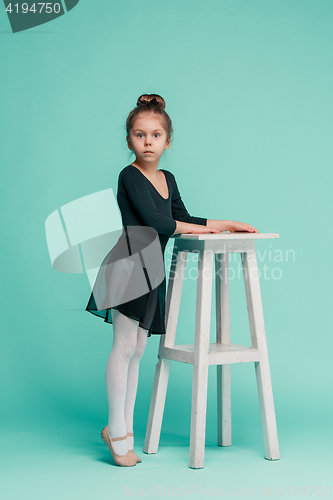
(148,134)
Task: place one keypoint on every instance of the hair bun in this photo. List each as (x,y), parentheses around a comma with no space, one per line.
(151,100)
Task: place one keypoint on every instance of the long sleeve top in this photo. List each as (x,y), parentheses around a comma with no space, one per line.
(141,204)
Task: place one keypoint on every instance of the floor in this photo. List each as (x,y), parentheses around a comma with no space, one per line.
(71,462)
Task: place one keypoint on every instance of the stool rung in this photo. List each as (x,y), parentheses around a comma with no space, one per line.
(217,354)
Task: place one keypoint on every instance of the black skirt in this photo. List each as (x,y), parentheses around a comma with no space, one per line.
(135,267)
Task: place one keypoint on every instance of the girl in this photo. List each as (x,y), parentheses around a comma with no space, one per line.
(149,198)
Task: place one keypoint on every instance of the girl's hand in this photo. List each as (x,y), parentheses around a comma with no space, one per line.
(202,229)
(241,226)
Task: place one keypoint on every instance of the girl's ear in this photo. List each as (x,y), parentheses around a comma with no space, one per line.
(128,142)
(167,144)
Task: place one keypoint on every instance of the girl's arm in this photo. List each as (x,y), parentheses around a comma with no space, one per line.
(186,228)
(185,221)
(214,226)
(188,224)
(231,225)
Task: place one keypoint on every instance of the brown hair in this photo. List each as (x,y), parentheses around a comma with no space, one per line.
(143,105)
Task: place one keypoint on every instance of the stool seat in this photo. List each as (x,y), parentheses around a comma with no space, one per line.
(213,250)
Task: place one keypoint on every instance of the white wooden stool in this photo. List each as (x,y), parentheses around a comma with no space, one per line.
(201,354)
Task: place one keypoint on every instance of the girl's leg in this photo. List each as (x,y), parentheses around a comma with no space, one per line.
(124,345)
(132,383)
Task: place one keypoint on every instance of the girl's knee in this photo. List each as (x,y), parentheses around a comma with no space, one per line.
(141,342)
(125,345)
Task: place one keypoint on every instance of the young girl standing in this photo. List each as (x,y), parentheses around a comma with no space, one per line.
(150,198)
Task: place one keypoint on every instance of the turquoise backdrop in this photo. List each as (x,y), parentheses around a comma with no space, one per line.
(248,86)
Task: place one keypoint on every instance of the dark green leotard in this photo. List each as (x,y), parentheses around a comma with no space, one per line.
(141,204)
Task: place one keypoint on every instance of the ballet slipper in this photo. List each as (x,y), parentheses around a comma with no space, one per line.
(126,460)
(138,459)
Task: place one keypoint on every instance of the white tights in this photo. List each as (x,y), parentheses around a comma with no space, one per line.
(121,377)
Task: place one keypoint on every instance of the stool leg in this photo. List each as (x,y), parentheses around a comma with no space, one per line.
(162,370)
(157,404)
(223,337)
(258,337)
(200,359)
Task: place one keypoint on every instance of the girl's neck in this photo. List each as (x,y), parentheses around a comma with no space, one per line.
(149,169)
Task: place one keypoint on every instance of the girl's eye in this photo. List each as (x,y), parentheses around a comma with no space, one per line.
(141,135)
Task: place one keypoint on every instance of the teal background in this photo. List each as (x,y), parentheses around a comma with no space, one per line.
(248,86)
